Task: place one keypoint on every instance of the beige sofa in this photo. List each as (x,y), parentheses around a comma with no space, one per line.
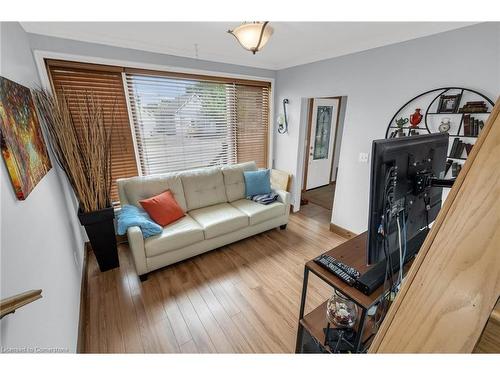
(217,213)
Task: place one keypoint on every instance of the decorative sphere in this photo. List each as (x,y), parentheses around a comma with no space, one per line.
(341,311)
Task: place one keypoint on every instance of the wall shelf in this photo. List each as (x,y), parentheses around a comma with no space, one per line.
(458,113)
(430,117)
(406,127)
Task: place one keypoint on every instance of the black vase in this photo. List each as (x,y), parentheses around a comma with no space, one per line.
(100,230)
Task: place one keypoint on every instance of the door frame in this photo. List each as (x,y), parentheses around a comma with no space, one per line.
(308,138)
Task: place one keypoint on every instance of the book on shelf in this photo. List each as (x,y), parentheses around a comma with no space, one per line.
(468,148)
(474,107)
(476,127)
(481,125)
(454,147)
(467,125)
(449,162)
(454,170)
(460,149)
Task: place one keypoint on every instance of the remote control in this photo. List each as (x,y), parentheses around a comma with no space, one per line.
(326,263)
(353,272)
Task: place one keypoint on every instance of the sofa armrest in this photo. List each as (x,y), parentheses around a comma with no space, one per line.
(283,196)
(136,245)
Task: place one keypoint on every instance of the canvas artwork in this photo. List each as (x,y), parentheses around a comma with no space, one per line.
(21,140)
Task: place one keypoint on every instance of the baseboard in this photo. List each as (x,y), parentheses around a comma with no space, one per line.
(342,231)
(80,345)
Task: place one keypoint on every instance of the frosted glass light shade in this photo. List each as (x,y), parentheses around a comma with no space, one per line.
(253,36)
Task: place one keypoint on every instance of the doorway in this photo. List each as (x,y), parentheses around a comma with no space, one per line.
(322,150)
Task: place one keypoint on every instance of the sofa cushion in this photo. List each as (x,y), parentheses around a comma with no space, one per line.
(257,182)
(256,212)
(163,208)
(234,180)
(182,233)
(203,187)
(143,187)
(219,219)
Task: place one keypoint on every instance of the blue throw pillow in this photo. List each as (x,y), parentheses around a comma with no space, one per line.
(131,216)
(257,182)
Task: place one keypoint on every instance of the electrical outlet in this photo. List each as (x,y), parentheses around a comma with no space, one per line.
(363,157)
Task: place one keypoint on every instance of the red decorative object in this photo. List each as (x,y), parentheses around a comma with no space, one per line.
(416,118)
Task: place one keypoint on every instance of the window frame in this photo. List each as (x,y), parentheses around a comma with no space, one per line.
(42,55)
(200,78)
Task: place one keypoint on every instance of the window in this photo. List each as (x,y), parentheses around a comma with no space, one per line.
(106,84)
(184,122)
(323,129)
(172,121)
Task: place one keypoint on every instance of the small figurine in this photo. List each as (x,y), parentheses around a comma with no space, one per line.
(415,118)
(401,122)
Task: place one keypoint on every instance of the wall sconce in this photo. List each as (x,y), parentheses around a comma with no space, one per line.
(282,119)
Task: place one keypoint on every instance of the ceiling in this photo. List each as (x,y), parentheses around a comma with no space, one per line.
(293,43)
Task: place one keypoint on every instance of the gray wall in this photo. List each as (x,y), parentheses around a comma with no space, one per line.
(47,43)
(39,249)
(377,82)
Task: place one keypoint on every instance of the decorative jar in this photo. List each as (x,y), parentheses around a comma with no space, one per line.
(341,311)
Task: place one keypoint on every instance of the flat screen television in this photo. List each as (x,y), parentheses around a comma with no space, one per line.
(403,200)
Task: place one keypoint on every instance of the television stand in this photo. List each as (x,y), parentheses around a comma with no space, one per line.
(310,333)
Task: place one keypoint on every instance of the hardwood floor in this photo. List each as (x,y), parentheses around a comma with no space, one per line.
(322,196)
(241,298)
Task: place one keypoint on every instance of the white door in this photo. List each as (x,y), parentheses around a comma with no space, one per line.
(322,140)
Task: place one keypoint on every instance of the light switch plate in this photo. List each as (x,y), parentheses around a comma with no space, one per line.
(363,157)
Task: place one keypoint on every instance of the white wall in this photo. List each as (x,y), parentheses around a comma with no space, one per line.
(38,245)
(377,82)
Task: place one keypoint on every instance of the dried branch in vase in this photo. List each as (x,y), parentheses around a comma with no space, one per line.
(81,143)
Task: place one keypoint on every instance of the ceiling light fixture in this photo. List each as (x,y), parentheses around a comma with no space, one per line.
(252,35)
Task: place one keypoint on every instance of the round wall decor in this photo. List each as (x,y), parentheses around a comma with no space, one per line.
(458,111)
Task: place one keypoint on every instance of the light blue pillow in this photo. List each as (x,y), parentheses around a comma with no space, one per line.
(131,216)
(257,182)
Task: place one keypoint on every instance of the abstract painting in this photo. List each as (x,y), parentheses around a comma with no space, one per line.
(21,139)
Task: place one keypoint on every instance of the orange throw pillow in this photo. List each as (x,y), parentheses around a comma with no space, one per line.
(163,208)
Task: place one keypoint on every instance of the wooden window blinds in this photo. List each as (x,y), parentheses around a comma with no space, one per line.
(106,84)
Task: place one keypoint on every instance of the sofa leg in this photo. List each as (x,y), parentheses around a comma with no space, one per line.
(143,277)
(283,226)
